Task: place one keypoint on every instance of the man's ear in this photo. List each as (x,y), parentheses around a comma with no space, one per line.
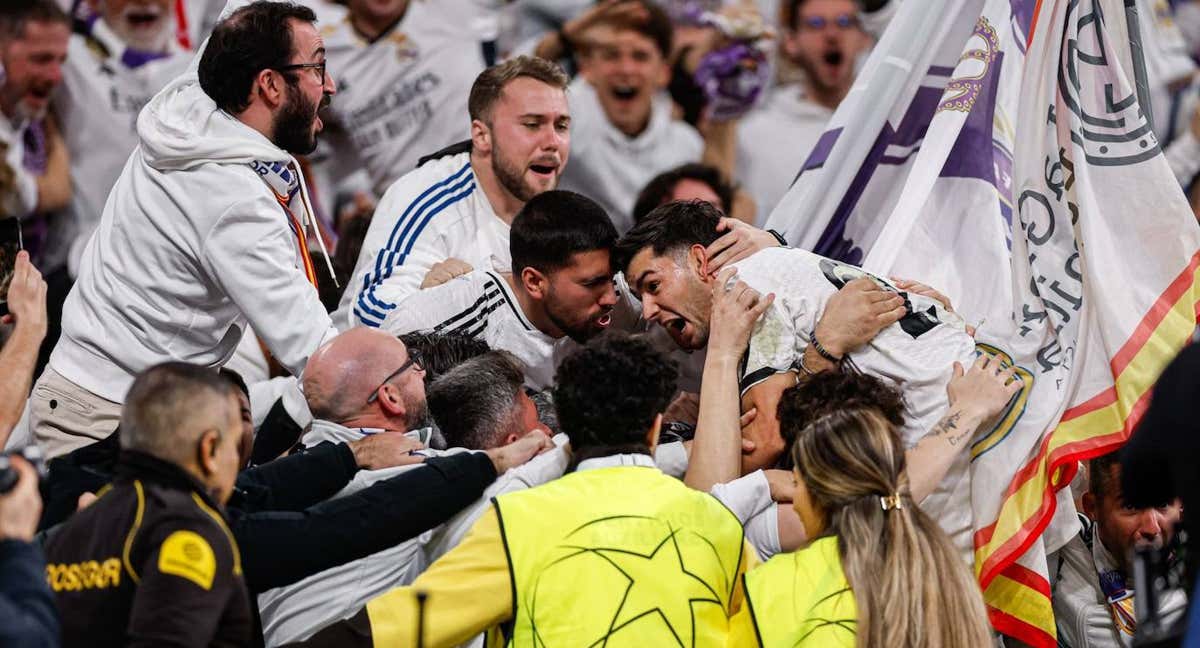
(1091,507)
(698,261)
(664,76)
(391,402)
(481,137)
(791,43)
(207,449)
(534,282)
(269,85)
(652,434)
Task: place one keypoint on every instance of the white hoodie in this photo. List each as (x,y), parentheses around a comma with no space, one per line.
(192,246)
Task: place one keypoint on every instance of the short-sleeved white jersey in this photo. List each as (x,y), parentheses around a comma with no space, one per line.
(403,94)
(916,354)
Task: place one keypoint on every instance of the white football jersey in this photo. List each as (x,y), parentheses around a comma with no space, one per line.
(916,354)
(404,94)
(98,106)
(432,214)
(481,305)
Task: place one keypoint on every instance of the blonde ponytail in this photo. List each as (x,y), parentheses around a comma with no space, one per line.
(911,587)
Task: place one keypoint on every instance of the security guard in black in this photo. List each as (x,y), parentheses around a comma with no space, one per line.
(151,562)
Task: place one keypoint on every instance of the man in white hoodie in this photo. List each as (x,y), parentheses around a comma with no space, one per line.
(204,233)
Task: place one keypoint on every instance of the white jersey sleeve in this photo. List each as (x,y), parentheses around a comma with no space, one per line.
(415,226)
(453,307)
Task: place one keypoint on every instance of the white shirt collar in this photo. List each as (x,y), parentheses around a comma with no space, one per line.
(644,460)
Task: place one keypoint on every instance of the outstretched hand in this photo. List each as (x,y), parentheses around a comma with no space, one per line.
(985,389)
(739,241)
(854,315)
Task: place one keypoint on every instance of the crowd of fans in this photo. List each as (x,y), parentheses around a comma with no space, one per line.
(453,322)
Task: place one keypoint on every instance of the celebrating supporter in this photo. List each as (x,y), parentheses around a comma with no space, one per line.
(203,233)
(622,131)
(453,213)
(404,70)
(554,559)
(498,413)
(1093,589)
(124,57)
(878,571)
(563,287)
(911,339)
(824,40)
(33,162)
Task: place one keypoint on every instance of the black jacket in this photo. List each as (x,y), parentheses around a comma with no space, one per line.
(151,562)
(288,528)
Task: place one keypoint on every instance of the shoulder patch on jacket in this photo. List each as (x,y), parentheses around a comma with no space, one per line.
(188,555)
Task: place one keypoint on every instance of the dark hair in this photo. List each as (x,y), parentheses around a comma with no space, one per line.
(831,391)
(490,83)
(254,38)
(1100,478)
(475,403)
(658,191)
(608,393)
(163,405)
(554,226)
(15,14)
(657,27)
(668,229)
(235,379)
(441,352)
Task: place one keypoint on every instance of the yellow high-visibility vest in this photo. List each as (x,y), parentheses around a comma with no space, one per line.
(620,556)
(802,599)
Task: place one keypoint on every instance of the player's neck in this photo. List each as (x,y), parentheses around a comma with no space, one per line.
(531,309)
(504,204)
(372,26)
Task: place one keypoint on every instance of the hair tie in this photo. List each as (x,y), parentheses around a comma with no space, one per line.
(889,502)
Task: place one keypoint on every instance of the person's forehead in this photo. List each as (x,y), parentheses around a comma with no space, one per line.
(44,33)
(306,38)
(692,189)
(527,95)
(827,8)
(627,39)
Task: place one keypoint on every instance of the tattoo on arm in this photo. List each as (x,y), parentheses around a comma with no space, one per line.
(948,427)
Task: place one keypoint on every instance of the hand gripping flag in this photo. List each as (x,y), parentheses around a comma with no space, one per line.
(1022,175)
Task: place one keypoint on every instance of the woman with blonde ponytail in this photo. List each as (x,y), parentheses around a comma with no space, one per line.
(878,571)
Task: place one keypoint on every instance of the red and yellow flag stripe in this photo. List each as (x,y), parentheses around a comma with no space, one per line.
(1019,599)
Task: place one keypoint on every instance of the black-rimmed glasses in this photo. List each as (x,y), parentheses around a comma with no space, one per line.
(414,360)
(319,67)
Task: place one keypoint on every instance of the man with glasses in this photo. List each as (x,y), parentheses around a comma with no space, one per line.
(824,39)
(205,234)
(365,383)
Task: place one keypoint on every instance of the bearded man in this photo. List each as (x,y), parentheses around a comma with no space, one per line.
(204,233)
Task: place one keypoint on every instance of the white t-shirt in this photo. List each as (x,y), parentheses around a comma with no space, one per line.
(479,304)
(404,94)
(916,354)
(98,106)
(765,169)
(611,168)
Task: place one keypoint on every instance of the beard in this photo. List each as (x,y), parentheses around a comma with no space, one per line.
(578,330)
(511,177)
(417,415)
(294,123)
